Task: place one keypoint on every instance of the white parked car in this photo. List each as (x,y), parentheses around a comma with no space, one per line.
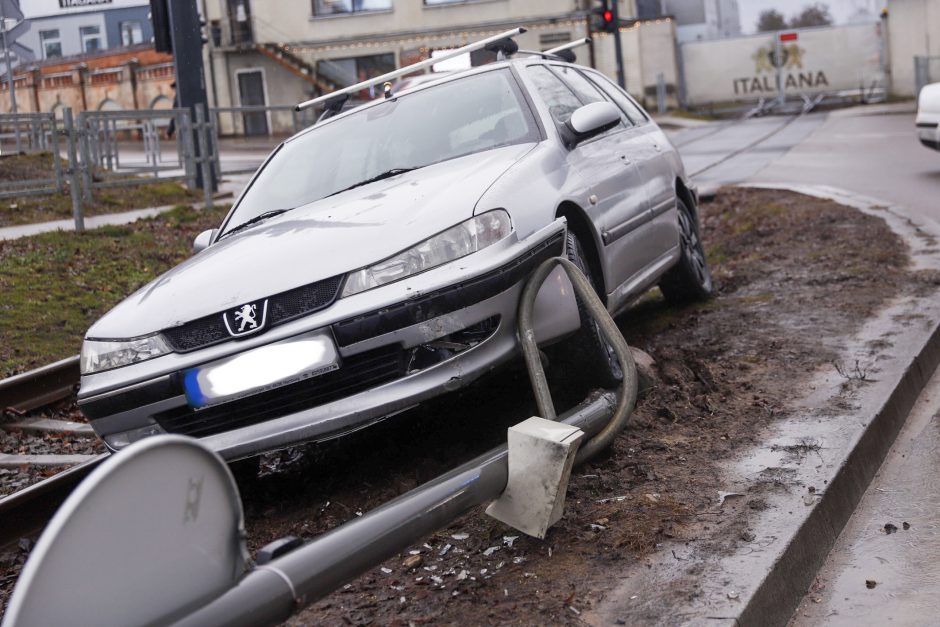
(928,116)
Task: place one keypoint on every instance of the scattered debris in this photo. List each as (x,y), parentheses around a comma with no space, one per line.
(733,595)
(413,561)
(906,525)
(446,549)
(870,583)
(508,540)
(889,528)
(460,536)
(490,550)
(387,571)
(722,496)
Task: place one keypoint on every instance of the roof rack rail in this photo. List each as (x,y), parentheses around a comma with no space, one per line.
(569,45)
(334,101)
(565,52)
(561,53)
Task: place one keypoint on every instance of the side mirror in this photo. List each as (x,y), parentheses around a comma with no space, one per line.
(204,239)
(590,120)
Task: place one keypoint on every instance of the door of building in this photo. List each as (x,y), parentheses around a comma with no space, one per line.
(251,93)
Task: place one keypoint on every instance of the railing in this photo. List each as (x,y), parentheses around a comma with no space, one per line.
(103,149)
(31,133)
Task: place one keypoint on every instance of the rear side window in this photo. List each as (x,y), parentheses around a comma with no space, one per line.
(624,101)
(560,100)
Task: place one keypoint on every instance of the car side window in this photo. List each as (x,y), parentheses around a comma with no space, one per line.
(626,104)
(587,91)
(559,99)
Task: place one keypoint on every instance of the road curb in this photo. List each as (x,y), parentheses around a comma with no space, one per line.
(778,595)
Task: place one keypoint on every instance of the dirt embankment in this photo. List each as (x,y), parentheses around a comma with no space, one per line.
(794,275)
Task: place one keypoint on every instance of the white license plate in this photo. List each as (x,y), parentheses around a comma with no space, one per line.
(260,369)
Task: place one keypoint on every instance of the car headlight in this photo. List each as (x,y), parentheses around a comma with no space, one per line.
(98,355)
(468,237)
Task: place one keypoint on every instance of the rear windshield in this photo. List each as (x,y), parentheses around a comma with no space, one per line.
(457,118)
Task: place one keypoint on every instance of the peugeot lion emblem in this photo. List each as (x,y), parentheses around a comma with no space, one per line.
(246,319)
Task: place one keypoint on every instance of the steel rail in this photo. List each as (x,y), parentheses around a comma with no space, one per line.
(808,106)
(39,387)
(27,511)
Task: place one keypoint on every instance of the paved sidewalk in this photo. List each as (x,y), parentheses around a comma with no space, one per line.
(93,222)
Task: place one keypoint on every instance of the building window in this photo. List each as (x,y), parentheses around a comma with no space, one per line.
(91,38)
(131,33)
(345,7)
(51,44)
(349,71)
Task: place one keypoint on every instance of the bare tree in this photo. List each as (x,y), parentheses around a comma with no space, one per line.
(771,20)
(812,15)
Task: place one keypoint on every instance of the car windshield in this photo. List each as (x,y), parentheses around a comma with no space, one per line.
(460,117)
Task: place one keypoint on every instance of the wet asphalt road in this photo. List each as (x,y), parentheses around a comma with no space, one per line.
(902,564)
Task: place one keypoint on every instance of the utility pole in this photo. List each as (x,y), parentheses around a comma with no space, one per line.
(178,29)
(10,81)
(615,8)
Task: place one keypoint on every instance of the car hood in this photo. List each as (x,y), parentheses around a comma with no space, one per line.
(325,238)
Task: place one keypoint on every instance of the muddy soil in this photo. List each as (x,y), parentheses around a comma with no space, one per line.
(793,274)
(792,279)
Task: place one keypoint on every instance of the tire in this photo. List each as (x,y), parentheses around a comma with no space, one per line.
(690,279)
(584,358)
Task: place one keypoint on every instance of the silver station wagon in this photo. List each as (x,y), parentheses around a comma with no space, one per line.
(376,260)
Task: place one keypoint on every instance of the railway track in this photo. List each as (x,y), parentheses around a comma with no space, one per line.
(26,511)
(808,105)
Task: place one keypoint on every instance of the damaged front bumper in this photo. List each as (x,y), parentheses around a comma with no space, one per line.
(398,345)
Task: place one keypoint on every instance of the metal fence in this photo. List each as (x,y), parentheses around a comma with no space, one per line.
(32,133)
(104,149)
(926,71)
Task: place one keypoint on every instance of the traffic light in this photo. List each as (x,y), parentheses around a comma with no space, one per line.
(604,20)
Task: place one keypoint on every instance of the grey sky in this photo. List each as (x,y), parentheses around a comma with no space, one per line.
(840,9)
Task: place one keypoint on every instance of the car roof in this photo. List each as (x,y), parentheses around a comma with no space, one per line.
(447,77)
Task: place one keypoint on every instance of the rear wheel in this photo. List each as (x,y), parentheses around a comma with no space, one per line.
(585,358)
(690,279)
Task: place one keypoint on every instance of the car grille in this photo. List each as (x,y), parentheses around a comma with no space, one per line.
(282,308)
(357,374)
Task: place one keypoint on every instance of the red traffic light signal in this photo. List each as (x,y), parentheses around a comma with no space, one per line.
(604,20)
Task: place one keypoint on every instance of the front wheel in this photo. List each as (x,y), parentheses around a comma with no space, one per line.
(690,279)
(585,358)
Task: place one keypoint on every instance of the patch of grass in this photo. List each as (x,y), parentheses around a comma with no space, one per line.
(54,285)
(58,206)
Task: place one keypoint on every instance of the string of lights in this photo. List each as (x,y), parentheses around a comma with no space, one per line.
(423,41)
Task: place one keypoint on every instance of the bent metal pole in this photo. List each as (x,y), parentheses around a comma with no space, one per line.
(272,592)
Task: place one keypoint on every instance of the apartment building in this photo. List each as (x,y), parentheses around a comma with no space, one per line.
(63,28)
(280,53)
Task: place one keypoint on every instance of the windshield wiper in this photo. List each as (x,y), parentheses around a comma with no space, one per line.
(378,177)
(255,220)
